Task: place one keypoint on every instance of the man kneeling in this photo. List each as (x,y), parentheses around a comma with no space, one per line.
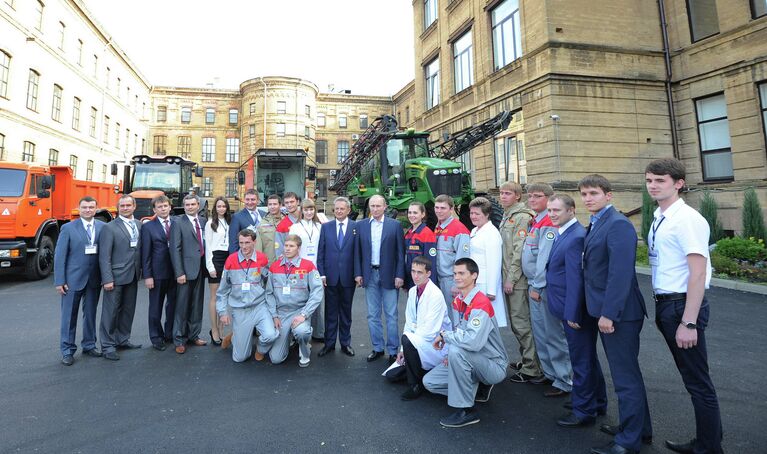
(295,289)
(242,293)
(477,358)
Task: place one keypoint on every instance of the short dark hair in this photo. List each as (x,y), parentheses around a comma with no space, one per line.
(470,265)
(483,204)
(291,195)
(252,192)
(667,166)
(545,188)
(421,260)
(127,196)
(160,199)
(274,197)
(248,233)
(566,200)
(595,181)
(444,198)
(191,197)
(87,198)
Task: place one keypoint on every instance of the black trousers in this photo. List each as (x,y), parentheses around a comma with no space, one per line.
(413,367)
(164,291)
(338,315)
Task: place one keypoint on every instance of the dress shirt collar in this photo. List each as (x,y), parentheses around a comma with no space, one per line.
(564,228)
(191,218)
(295,262)
(595,217)
(372,220)
(91,223)
(447,221)
(242,258)
(670,211)
(126,220)
(539,216)
(419,290)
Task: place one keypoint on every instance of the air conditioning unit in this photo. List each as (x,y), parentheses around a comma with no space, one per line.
(355,136)
(207,194)
(332,172)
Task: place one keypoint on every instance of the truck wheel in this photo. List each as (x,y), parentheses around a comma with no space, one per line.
(40,264)
(496,211)
(463,216)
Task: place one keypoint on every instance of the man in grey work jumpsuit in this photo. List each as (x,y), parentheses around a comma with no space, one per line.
(477,359)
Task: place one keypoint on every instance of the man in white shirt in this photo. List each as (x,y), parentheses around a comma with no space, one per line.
(681,272)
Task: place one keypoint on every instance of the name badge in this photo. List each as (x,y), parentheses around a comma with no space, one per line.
(653,257)
(252,228)
(90,250)
(311,250)
(245,286)
(286,290)
(133,243)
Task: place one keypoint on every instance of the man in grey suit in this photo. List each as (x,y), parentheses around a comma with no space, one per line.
(187,254)
(120,264)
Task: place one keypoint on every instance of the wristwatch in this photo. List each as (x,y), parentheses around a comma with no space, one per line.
(689,325)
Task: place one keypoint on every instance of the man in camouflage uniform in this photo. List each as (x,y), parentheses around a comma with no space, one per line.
(266,241)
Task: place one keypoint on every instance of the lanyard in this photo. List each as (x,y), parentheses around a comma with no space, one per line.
(655,228)
(308,232)
(288,268)
(247,272)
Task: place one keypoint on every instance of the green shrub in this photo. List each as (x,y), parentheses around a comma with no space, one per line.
(724,265)
(708,209)
(648,207)
(741,249)
(753,220)
(642,258)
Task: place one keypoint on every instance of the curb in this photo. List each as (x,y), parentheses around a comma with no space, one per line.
(719,282)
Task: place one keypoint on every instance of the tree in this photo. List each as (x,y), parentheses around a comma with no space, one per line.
(753,219)
(648,207)
(708,209)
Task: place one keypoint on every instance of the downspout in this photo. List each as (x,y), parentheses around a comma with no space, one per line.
(669,93)
(263,82)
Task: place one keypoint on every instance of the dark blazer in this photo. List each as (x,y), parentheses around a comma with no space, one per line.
(338,263)
(155,255)
(609,253)
(392,252)
(564,275)
(72,266)
(240,220)
(185,254)
(119,263)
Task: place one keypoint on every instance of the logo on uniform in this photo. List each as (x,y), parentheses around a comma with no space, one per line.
(294,279)
(522,233)
(549,235)
(465,248)
(433,251)
(475,322)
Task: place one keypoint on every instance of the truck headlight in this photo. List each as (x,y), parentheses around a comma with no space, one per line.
(5,253)
(10,253)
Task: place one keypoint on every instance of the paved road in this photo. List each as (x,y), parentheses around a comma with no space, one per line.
(153,401)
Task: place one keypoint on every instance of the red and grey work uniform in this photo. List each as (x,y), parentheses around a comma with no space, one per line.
(295,288)
(476,355)
(282,232)
(420,241)
(452,244)
(242,294)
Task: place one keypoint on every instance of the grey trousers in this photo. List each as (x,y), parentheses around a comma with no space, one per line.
(302,333)
(445,284)
(461,377)
(117,312)
(551,344)
(318,321)
(244,320)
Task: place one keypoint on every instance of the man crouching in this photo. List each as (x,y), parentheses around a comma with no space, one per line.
(477,359)
(295,289)
(242,293)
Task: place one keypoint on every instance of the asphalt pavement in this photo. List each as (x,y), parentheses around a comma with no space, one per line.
(201,401)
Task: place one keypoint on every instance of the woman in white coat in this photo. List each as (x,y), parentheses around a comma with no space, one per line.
(308,229)
(486,249)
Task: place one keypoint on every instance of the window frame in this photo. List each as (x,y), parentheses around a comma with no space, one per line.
(252,131)
(430,7)
(33,87)
(252,108)
(208,149)
(433,86)
(2,147)
(162,114)
(105,127)
(184,146)
(53,157)
(94,120)
(28,151)
(76,103)
(321,120)
(232,149)
(279,129)
(89,170)
(366,122)
(58,94)
(702,152)
(339,159)
(343,121)
(282,107)
(210,115)
(207,186)
(753,9)
(321,145)
(763,107)
(159,145)
(516,17)
(458,59)
(5,72)
(73,165)
(693,39)
(230,187)
(186,115)
(234,117)
(62,35)
(40,13)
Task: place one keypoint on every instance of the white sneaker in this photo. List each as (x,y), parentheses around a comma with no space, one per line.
(303,362)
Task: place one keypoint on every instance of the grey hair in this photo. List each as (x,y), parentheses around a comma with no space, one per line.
(343,200)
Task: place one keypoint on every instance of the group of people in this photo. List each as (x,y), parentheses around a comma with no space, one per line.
(290,278)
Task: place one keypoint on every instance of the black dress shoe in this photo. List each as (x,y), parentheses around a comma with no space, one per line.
(325,351)
(461,418)
(347,350)
(68,360)
(92,352)
(412,393)
(374,355)
(128,346)
(684,448)
(392,358)
(159,346)
(571,421)
(111,356)
(553,391)
(612,448)
(613,430)
(483,393)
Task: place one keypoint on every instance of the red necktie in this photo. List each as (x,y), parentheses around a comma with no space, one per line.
(199,237)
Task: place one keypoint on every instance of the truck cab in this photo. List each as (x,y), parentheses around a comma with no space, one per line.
(279,171)
(150,176)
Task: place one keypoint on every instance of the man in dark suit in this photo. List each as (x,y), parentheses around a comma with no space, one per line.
(76,277)
(382,265)
(120,265)
(187,254)
(337,263)
(158,272)
(247,218)
(567,302)
(613,296)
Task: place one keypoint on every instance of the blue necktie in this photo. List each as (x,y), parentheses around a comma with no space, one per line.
(90,234)
(341,234)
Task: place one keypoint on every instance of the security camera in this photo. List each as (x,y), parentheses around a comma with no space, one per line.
(555,117)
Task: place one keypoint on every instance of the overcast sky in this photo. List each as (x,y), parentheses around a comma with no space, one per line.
(362,45)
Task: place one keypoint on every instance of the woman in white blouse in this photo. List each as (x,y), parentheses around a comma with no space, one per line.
(216,252)
(308,229)
(485,249)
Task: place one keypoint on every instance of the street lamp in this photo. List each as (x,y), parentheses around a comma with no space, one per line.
(555,119)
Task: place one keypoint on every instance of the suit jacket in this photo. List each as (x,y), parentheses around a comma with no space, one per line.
(392,260)
(564,275)
(338,263)
(71,265)
(119,263)
(241,220)
(609,253)
(155,254)
(185,254)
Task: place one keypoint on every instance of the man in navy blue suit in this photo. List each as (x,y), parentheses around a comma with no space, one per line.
(158,272)
(77,278)
(613,296)
(382,266)
(247,218)
(337,263)
(567,302)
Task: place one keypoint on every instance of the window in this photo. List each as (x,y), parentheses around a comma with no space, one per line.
(763,97)
(501,155)
(363,121)
(509,161)
(207,186)
(95,66)
(117,87)
(507,40)
(89,171)
(714,134)
(160,145)
(127,139)
(39,10)
(252,108)
(252,131)
(62,35)
(758,8)
(342,121)
(210,116)
(462,62)
(162,113)
(429,12)
(322,187)
(232,149)
(234,116)
(32,85)
(320,120)
(80,52)
(186,114)
(53,157)
(184,149)
(308,110)
(281,107)
(432,83)
(5,67)
(280,129)
(73,165)
(407,114)
(231,187)
(104,172)
(94,114)
(56,107)
(105,129)
(307,132)
(321,151)
(76,114)
(342,150)
(2,147)
(117,135)
(28,154)
(208,149)
(704,20)
(107,77)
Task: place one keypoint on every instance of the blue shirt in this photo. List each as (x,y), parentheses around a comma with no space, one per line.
(376,231)
(595,217)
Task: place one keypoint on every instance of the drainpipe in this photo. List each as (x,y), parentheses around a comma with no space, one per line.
(669,93)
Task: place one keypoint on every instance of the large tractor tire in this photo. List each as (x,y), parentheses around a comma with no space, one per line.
(496,212)
(431,216)
(40,264)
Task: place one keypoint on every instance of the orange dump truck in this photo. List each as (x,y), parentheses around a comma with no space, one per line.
(35,201)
